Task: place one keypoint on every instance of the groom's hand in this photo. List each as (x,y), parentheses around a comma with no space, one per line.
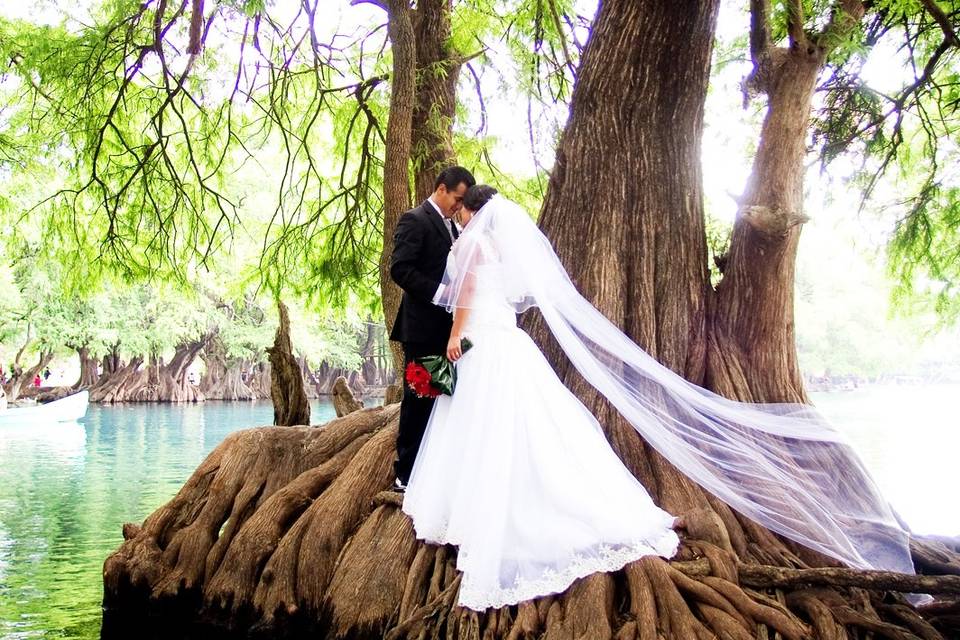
(454,351)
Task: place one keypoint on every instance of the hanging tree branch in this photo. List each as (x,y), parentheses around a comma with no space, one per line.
(158,146)
(943,20)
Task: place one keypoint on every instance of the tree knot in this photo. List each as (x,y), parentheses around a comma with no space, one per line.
(770,221)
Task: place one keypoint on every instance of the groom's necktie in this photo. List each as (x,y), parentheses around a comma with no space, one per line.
(453,229)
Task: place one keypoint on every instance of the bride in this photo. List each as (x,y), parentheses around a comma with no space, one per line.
(518,474)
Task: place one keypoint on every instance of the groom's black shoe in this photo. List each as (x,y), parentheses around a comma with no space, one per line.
(399,486)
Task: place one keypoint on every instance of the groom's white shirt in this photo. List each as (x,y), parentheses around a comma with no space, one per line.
(443,218)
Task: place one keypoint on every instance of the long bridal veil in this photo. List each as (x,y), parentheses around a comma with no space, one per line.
(782,465)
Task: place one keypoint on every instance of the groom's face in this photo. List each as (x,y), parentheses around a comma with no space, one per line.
(449,200)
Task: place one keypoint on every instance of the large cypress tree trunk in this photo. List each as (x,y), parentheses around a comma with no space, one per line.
(156,382)
(223,377)
(88,370)
(111,361)
(117,385)
(752,354)
(369,367)
(627,184)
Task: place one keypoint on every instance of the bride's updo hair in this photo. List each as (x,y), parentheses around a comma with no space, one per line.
(477,196)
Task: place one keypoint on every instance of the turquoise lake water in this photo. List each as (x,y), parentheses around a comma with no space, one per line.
(65,491)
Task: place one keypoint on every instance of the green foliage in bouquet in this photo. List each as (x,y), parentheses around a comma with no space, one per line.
(443,373)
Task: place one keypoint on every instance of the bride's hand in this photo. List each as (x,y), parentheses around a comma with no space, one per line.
(454,351)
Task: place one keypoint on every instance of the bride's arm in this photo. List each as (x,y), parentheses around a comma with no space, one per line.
(460,314)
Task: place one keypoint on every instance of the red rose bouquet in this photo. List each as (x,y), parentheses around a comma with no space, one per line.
(431,376)
(418,379)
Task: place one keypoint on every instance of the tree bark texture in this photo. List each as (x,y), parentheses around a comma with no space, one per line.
(290,404)
(111,361)
(343,400)
(223,377)
(88,369)
(624,205)
(116,385)
(438,69)
(752,346)
(310,381)
(259,379)
(752,353)
(327,376)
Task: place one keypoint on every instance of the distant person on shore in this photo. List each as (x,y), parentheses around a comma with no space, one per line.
(46,373)
(36,380)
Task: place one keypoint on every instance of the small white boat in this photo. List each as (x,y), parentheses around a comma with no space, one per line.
(69,409)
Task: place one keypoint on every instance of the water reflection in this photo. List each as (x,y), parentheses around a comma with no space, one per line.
(66,490)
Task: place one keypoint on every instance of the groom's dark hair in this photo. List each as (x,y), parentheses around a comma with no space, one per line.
(451,177)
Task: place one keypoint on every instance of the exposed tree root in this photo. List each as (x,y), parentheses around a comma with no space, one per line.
(769,577)
(392,394)
(933,554)
(293,532)
(343,400)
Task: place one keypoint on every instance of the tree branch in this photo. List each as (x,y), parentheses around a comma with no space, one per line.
(942,20)
(795,24)
(196,28)
(378,3)
(778,577)
(770,577)
(483,107)
(563,41)
(845,15)
(759,31)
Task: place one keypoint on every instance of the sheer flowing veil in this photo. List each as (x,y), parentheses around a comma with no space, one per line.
(782,465)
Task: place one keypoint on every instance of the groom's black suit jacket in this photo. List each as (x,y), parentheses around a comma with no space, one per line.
(420,247)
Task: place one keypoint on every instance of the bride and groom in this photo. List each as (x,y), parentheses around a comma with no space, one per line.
(516,472)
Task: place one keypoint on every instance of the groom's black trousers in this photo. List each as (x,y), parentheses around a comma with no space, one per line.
(414,412)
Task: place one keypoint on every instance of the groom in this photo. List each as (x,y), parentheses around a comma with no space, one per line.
(420,246)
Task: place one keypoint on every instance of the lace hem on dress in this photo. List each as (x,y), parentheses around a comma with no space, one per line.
(608,558)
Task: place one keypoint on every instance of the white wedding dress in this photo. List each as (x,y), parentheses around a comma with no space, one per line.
(517,473)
